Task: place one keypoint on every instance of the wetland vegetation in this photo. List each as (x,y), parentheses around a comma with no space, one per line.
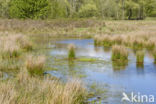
(76,51)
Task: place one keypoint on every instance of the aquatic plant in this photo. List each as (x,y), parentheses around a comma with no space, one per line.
(71,52)
(119,53)
(140,57)
(35,64)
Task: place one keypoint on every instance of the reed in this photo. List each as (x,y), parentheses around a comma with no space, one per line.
(71,52)
(35,64)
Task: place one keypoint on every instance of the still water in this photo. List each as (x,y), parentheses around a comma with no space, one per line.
(106,82)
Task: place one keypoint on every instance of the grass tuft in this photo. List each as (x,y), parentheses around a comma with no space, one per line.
(35,64)
(71,52)
(119,53)
(140,57)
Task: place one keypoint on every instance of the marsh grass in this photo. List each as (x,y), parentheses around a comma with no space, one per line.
(35,64)
(140,57)
(71,52)
(119,53)
(151,43)
(24,89)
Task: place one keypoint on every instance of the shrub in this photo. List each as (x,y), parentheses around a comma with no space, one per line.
(35,64)
(34,9)
(71,52)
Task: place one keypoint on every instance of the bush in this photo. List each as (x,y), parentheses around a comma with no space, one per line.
(34,9)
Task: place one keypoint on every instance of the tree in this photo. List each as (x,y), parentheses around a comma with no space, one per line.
(4,6)
(34,9)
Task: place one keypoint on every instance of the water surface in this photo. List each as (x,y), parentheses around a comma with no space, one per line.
(100,77)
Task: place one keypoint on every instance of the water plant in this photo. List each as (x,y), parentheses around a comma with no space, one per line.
(140,57)
(71,52)
(119,53)
(35,64)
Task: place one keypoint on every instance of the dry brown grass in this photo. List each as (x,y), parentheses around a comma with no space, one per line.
(31,90)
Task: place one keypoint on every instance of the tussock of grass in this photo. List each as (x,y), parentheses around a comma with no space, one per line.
(119,53)
(35,64)
(71,52)
(140,57)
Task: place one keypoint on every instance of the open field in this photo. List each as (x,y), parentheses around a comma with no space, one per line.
(24,60)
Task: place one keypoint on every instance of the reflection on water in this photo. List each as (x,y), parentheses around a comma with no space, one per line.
(106,79)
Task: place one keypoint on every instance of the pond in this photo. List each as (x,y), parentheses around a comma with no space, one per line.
(105,82)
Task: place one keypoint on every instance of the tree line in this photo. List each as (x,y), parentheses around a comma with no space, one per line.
(50,9)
